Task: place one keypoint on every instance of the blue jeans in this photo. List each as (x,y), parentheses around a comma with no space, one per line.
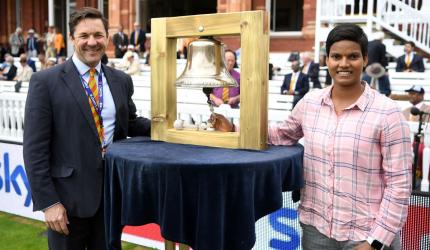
(312,239)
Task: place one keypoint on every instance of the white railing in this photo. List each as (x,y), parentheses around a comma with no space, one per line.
(403,19)
(12,116)
(400,17)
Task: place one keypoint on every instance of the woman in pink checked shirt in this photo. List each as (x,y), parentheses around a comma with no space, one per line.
(357,160)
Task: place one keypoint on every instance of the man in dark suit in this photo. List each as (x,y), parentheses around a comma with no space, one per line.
(8,70)
(74,111)
(138,38)
(311,69)
(120,40)
(410,62)
(296,83)
(377,54)
(32,44)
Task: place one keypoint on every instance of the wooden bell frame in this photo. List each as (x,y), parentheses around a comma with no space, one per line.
(252,26)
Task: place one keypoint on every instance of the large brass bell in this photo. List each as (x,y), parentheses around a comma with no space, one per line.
(205,66)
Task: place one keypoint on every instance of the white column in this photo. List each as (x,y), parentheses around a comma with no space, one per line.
(18,13)
(317,32)
(51,12)
(138,12)
(369,17)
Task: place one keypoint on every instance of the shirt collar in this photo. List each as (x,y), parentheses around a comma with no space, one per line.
(419,105)
(82,67)
(361,102)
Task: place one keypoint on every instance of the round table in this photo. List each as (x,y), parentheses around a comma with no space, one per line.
(205,197)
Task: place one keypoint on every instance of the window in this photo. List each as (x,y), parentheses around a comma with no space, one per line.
(286,15)
(167,8)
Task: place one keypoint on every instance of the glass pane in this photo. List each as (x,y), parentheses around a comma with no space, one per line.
(288,15)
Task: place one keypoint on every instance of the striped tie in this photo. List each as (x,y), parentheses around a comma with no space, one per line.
(93,87)
(225,94)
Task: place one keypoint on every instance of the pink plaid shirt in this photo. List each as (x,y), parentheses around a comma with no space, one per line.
(357,165)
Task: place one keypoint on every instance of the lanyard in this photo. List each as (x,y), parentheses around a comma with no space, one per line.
(98,107)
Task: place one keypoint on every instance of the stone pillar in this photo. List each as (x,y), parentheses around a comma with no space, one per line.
(120,12)
(309,15)
(234,5)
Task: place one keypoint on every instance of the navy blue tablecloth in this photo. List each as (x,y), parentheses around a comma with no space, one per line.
(208,198)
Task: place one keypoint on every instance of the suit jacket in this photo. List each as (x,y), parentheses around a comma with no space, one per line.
(416,65)
(313,74)
(35,44)
(377,53)
(118,42)
(62,152)
(424,107)
(11,73)
(301,88)
(140,39)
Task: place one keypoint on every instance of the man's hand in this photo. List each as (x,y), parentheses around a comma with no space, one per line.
(233,100)
(216,101)
(364,246)
(56,219)
(221,123)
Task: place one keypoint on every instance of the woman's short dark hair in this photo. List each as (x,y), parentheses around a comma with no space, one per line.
(86,12)
(350,32)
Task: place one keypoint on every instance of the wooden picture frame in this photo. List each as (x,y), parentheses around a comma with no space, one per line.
(252,27)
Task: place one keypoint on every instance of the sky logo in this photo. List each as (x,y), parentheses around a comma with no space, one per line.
(10,179)
(279,221)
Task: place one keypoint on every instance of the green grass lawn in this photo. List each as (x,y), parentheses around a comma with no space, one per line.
(18,233)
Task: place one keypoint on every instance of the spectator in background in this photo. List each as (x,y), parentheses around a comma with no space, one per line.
(59,44)
(410,61)
(138,38)
(294,56)
(51,62)
(311,69)
(8,72)
(120,41)
(32,46)
(295,84)
(132,66)
(228,95)
(124,61)
(24,72)
(416,98)
(377,59)
(42,61)
(49,43)
(16,41)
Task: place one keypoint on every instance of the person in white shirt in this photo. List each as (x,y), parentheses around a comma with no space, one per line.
(131,66)
(24,72)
